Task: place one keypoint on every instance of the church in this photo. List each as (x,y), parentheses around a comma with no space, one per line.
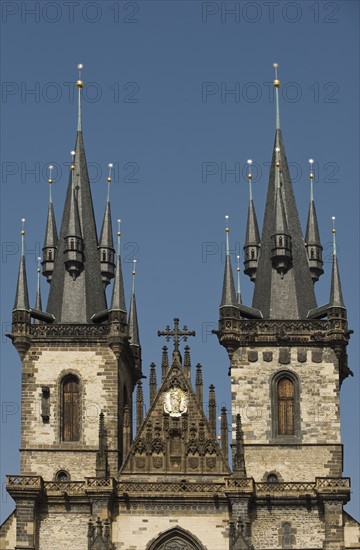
(166,480)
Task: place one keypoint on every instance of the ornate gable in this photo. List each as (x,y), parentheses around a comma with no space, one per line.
(176,436)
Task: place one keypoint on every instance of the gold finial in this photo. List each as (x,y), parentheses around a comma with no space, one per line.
(277,151)
(249,175)
(72,167)
(238,263)
(118,235)
(227,230)
(133,276)
(50,174)
(109,180)
(276,81)
(79,82)
(333,231)
(22,236)
(134,267)
(39,263)
(311,176)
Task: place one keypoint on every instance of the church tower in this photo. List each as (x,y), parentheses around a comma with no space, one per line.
(287,363)
(79,362)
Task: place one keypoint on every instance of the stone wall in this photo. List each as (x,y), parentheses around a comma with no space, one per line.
(97,370)
(8,533)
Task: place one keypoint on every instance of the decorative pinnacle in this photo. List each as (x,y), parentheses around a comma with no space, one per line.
(50,181)
(38,273)
(133,276)
(22,236)
(276,86)
(238,274)
(109,180)
(79,85)
(311,176)
(333,231)
(118,236)
(227,230)
(249,175)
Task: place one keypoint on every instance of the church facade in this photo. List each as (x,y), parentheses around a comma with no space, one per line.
(170,484)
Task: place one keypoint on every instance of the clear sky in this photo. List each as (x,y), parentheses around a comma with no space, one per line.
(178,97)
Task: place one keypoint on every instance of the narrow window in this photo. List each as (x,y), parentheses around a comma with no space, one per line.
(70,409)
(285,395)
(286,542)
(62,475)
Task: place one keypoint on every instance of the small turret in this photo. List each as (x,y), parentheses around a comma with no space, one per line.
(199,384)
(102,466)
(239,459)
(281,247)
(118,312)
(187,361)
(228,293)
(337,309)
(51,236)
(106,245)
(152,383)
(252,241)
(164,362)
(224,433)
(73,248)
(312,236)
(133,326)
(21,312)
(238,291)
(38,301)
(139,406)
(212,408)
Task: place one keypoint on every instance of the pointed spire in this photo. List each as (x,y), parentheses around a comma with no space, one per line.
(252,239)
(73,248)
(77,301)
(239,460)
(139,406)
(199,384)
(312,235)
(336,298)
(283,286)
(106,244)
(118,295)
(228,293)
(38,301)
(22,294)
(152,383)
(102,468)
(224,433)
(164,362)
(126,431)
(51,236)
(79,85)
(212,408)
(187,361)
(133,320)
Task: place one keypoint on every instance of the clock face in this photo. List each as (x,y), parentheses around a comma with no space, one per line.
(175,402)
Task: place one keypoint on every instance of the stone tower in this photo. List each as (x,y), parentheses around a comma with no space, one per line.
(88,482)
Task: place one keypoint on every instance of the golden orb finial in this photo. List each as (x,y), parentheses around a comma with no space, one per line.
(276,81)
(79,82)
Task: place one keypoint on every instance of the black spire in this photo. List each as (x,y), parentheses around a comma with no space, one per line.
(133,325)
(252,239)
(336,298)
(106,245)
(288,295)
(77,300)
(22,294)
(74,244)
(118,294)
(228,292)
(312,236)
(51,237)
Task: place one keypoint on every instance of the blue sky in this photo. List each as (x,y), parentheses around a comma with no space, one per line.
(178,97)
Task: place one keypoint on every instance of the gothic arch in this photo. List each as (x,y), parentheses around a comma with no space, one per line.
(175,539)
(70,407)
(288,381)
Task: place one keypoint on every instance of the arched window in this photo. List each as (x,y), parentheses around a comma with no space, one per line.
(62,475)
(70,408)
(285,405)
(285,396)
(272,478)
(286,535)
(175,539)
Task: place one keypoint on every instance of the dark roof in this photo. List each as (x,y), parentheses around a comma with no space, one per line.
(106,235)
(75,301)
(292,296)
(336,298)
(228,293)
(118,294)
(252,228)
(312,235)
(22,294)
(133,323)
(51,236)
